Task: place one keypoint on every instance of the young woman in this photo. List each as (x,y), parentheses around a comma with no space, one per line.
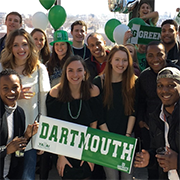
(145,12)
(117,86)
(20,54)
(60,52)
(75,100)
(133,53)
(40,40)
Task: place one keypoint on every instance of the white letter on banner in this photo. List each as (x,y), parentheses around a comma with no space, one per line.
(116,143)
(95,140)
(107,146)
(87,141)
(125,151)
(145,35)
(141,34)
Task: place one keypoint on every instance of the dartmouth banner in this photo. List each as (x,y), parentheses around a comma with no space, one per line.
(84,143)
(145,34)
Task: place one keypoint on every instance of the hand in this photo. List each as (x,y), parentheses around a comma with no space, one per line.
(61,162)
(26,94)
(128,34)
(168,161)
(142,159)
(16,144)
(40,152)
(142,124)
(91,165)
(31,130)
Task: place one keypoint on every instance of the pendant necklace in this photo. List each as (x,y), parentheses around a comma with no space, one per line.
(84,53)
(69,110)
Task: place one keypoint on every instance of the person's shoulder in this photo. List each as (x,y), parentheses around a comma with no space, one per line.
(94,91)
(54,91)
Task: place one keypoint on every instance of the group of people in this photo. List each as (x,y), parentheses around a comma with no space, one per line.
(131,90)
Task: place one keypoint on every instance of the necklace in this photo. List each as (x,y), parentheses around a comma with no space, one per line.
(69,110)
(84,53)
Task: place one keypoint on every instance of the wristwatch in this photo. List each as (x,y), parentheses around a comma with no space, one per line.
(2,148)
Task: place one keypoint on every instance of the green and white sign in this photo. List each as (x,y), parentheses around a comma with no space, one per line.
(84,143)
(177,19)
(145,34)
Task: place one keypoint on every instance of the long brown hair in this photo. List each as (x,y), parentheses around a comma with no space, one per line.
(128,81)
(8,59)
(45,51)
(54,61)
(64,89)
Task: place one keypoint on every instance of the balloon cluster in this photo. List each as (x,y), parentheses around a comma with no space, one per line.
(56,16)
(115,31)
(122,6)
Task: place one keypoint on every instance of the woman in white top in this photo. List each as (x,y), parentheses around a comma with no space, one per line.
(20,54)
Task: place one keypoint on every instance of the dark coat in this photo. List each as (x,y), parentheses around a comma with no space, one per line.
(16,165)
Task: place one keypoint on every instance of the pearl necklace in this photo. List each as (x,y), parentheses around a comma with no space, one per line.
(84,53)
(69,110)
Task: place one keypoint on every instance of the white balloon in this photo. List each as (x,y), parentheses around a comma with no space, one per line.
(40,20)
(118,33)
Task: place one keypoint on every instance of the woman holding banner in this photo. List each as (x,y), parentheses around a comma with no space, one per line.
(117,85)
(75,100)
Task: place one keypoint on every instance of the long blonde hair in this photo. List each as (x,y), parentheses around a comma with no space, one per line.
(128,81)
(8,59)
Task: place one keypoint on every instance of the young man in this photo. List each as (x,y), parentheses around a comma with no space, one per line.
(96,63)
(79,32)
(13,21)
(164,127)
(169,32)
(146,89)
(12,126)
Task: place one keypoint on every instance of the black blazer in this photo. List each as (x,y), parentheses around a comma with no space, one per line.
(16,165)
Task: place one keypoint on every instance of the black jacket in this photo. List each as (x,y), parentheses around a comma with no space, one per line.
(16,165)
(156,126)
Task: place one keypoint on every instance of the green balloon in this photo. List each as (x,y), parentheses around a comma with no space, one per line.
(109,28)
(138,21)
(57,16)
(47,4)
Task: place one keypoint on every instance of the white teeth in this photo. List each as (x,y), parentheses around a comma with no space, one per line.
(96,52)
(156,64)
(166,97)
(21,53)
(10,97)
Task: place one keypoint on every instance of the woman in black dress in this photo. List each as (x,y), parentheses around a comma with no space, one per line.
(75,100)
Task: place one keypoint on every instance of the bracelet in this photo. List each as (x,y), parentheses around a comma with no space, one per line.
(128,134)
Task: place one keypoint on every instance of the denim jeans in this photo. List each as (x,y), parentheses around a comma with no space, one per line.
(30,157)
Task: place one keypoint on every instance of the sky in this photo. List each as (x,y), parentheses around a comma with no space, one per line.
(78,6)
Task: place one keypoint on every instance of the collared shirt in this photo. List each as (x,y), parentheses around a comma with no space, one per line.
(99,66)
(166,118)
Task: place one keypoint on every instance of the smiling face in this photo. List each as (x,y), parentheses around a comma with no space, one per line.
(75,73)
(119,62)
(144,9)
(96,45)
(10,89)
(60,49)
(78,33)
(168,91)
(12,22)
(39,40)
(20,49)
(168,34)
(156,57)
